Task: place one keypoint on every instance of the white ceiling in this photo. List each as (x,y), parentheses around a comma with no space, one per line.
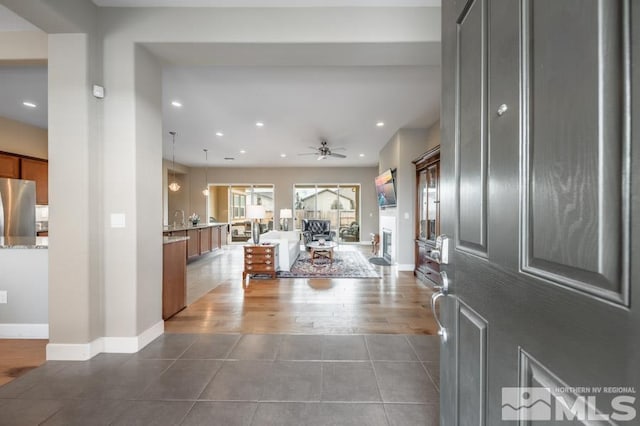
(302,92)
(300,106)
(24,83)
(9,21)
(268,3)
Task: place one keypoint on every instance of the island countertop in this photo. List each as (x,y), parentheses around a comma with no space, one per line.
(24,242)
(170,240)
(170,228)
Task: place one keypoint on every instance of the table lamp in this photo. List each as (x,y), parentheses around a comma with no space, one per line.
(256,213)
(285,215)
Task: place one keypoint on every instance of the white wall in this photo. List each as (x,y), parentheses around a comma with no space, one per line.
(25,278)
(404,147)
(75,282)
(148,193)
(23,139)
(23,47)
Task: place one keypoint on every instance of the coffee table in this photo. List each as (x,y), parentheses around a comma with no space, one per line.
(321,250)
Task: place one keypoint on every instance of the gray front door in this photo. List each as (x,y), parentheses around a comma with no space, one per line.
(540,195)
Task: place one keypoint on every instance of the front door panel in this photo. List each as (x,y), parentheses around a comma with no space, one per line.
(471,152)
(540,190)
(575,222)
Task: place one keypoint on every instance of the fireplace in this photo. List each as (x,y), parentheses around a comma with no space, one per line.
(386,245)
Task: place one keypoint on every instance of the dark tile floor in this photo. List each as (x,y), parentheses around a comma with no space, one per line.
(187,379)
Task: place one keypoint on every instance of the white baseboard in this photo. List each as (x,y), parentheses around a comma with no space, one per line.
(130,345)
(85,351)
(74,351)
(405,267)
(24,331)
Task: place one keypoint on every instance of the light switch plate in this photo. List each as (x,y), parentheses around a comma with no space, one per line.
(98,91)
(3,296)
(118,220)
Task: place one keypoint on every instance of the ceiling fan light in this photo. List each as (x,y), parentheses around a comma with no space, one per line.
(321,157)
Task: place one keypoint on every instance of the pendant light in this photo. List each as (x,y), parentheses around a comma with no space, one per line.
(205,191)
(174,185)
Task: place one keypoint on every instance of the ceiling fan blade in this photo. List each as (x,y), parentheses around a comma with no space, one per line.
(341,148)
(337,155)
(309,153)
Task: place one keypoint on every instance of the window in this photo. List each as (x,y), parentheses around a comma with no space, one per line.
(229,202)
(239,204)
(338,203)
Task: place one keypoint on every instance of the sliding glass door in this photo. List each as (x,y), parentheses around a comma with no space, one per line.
(340,204)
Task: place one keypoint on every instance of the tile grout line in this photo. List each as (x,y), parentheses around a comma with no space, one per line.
(375,375)
(184,417)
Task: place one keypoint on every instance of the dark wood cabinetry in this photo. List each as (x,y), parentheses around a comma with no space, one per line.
(202,240)
(174,278)
(20,167)
(427,214)
(38,171)
(193,245)
(260,259)
(9,166)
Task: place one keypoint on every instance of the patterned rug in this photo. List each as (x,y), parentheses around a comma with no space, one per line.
(346,264)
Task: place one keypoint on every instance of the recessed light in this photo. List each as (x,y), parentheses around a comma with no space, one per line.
(219,134)
(29,104)
(283,155)
(176,104)
(259,124)
(242,151)
(380,124)
(361,155)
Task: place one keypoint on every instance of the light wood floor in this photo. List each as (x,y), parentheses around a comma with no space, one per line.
(219,303)
(18,356)
(395,304)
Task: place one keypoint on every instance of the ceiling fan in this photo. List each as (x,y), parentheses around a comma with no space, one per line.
(323,151)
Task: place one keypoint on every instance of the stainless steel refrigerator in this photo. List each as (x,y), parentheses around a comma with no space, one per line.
(17,208)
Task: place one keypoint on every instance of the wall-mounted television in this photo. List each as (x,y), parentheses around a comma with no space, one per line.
(386,189)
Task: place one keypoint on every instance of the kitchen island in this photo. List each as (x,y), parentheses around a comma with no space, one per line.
(174,275)
(24,276)
(203,238)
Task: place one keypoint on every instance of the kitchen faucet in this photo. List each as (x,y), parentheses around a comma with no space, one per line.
(181,213)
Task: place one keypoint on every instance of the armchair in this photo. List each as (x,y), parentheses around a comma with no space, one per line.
(350,233)
(314,229)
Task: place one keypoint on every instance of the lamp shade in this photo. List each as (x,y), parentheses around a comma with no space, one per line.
(286,214)
(255,212)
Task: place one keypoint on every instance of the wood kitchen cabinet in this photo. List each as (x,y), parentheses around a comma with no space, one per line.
(205,240)
(202,240)
(174,278)
(38,171)
(9,166)
(193,245)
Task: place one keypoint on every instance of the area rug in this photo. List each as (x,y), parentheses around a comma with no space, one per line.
(379,261)
(346,264)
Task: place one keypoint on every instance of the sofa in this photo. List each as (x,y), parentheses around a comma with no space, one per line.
(288,248)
